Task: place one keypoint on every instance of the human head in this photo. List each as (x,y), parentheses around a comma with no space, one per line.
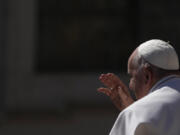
(151,61)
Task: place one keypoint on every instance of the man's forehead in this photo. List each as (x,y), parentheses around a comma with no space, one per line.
(130,65)
(132,62)
(131,59)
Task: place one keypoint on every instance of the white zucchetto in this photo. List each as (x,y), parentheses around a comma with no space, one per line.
(160,54)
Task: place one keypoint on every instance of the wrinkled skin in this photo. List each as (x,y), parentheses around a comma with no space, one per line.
(116,90)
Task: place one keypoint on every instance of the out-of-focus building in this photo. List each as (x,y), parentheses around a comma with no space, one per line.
(52,52)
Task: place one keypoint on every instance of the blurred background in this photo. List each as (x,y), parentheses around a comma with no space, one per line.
(52,53)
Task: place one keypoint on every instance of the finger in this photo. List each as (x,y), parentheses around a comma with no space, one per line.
(101,76)
(118,83)
(122,94)
(111,80)
(127,99)
(115,79)
(106,80)
(123,87)
(105,91)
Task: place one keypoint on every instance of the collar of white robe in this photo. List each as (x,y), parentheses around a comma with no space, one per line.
(160,54)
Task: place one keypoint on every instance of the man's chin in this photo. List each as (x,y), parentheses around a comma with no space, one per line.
(133,94)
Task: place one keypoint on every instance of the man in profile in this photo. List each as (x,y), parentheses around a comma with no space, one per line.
(155,80)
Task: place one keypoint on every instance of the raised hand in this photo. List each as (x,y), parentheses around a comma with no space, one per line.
(116,90)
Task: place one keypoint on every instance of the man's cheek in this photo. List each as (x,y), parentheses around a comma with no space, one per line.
(132,85)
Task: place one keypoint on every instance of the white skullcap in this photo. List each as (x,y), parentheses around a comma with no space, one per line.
(160,54)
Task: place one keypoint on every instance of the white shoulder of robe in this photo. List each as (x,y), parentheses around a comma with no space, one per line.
(158,113)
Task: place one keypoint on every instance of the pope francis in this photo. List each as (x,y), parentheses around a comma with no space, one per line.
(155,80)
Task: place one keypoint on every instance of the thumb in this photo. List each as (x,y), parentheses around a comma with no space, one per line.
(105,91)
(122,94)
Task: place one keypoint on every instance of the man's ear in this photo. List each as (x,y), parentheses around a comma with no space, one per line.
(147,73)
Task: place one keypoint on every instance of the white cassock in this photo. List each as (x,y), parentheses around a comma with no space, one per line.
(158,113)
